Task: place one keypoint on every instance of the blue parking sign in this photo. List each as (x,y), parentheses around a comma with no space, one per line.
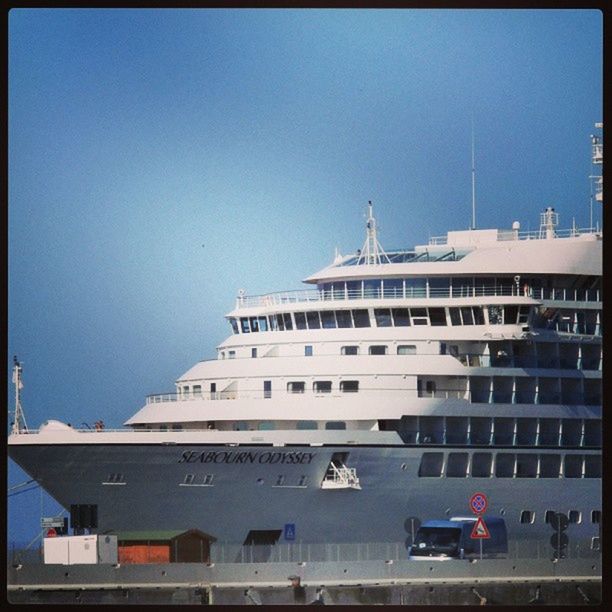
(290,531)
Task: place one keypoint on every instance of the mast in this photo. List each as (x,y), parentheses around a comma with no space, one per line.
(372,252)
(473,181)
(596,162)
(19,422)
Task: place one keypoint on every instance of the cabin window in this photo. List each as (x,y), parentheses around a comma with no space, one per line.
(571,432)
(592,432)
(383,317)
(349,350)
(416,287)
(244,323)
(371,288)
(328,320)
(527,517)
(280,322)
(455,316)
(197,390)
(510,315)
(266,426)
(307,425)
(419,316)
(431,465)
(300,320)
(349,386)
(592,466)
(353,289)
(254,324)
(361,318)
(393,287)
(378,350)
(234,325)
(574,516)
(296,387)
(336,425)
(550,466)
(308,350)
(263,324)
(478,315)
(267,385)
(480,430)
(313,320)
(231,354)
(503,431)
(481,465)
(439,287)
(406,349)
(549,517)
(344,318)
(322,386)
(504,465)
(595,516)
(496,315)
(523,316)
(456,430)
(572,466)
(526,466)
(288,323)
(253,353)
(526,431)
(437,316)
(467,315)
(401,318)
(457,465)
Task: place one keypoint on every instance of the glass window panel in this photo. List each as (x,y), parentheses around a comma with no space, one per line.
(361,318)
(401,317)
(431,430)
(383,317)
(481,465)
(478,315)
(350,350)
(455,316)
(273,322)
(416,287)
(296,387)
(308,350)
(353,289)
(344,318)
(263,324)
(549,432)
(526,465)
(288,322)
(456,430)
(419,316)
(307,425)
(234,325)
(592,432)
(572,466)
(349,386)
(371,288)
(338,290)
(378,350)
(439,287)
(467,315)
(571,432)
(456,466)
(280,322)
(406,349)
(313,320)
(510,315)
(503,431)
(265,426)
(437,316)
(300,320)
(393,287)
(254,324)
(496,314)
(504,465)
(335,425)
(322,386)
(550,466)
(431,465)
(526,431)
(480,430)
(328,319)
(244,324)
(592,466)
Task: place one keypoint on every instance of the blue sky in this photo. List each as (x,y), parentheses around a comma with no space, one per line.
(160,160)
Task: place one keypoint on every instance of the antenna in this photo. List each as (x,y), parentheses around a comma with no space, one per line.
(372,252)
(19,422)
(473,180)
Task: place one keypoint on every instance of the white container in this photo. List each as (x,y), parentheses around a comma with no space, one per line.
(87,549)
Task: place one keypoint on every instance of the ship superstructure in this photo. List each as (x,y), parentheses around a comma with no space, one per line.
(398,385)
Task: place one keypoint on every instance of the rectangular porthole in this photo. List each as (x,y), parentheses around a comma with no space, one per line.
(527,517)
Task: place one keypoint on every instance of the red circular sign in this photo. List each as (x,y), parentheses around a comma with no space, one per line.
(478,503)
(51,533)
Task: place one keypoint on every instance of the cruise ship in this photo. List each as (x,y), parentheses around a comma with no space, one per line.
(389,392)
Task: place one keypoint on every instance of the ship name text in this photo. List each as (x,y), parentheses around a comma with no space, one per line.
(297,457)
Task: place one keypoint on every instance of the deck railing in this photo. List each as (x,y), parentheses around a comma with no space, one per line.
(505,235)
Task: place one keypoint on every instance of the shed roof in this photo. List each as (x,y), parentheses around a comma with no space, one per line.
(159,535)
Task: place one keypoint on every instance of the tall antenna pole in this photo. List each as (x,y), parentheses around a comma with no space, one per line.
(19,422)
(473,180)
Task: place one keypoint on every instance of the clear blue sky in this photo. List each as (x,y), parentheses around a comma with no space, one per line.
(159,160)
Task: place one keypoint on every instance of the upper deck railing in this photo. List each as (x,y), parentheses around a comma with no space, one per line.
(504,235)
(326,295)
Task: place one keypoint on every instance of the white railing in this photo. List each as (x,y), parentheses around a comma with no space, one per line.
(321,295)
(527,235)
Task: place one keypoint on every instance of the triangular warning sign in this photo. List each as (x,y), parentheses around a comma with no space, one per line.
(480,530)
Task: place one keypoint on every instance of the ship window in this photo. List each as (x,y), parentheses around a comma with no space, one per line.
(437,316)
(288,322)
(550,466)
(478,315)
(480,430)
(504,465)
(307,425)
(431,430)
(308,350)
(592,466)
(574,516)
(338,291)
(349,386)
(419,316)
(244,322)
(496,315)
(572,466)
(349,350)
(266,426)
(393,288)
(335,425)
(595,516)
(455,316)
(267,386)
(523,316)
(295,387)
(263,324)
(231,354)
(400,317)
(163,427)
(430,387)
(510,315)
(234,325)
(526,466)
(280,323)
(592,432)
(371,288)
(300,320)
(313,320)
(416,287)
(549,432)
(344,318)
(253,354)
(571,432)
(189,478)
(361,318)
(322,386)
(273,323)
(254,324)
(527,517)
(240,426)
(503,431)
(439,287)
(353,289)
(377,350)
(431,465)
(467,315)
(406,349)
(481,465)
(328,320)
(456,430)
(383,317)
(197,389)
(549,517)
(457,464)
(526,431)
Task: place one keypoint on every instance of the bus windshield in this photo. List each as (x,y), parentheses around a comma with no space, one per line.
(437,541)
